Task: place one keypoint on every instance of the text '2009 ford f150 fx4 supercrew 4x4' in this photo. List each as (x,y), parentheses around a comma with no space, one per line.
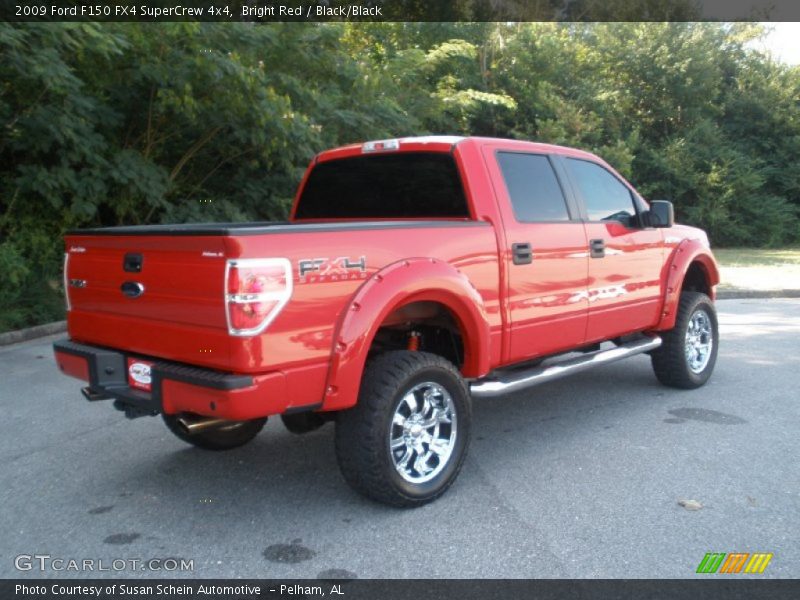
(412,275)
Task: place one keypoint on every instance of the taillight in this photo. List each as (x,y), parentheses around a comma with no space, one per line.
(255,292)
(66,282)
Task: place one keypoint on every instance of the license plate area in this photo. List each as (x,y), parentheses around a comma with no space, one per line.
(140,374)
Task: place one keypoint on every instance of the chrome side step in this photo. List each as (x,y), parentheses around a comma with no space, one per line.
(502,382)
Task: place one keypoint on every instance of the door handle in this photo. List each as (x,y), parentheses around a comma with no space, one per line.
(521,253)
(597,248)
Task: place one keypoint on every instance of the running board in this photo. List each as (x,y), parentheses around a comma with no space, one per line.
(506,381)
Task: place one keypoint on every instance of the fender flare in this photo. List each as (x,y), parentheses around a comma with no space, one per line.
(398,284)
(684,255)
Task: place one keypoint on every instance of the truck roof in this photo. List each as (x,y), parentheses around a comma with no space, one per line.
(445,143)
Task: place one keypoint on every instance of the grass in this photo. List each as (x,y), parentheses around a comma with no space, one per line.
(749,257)
(759,269)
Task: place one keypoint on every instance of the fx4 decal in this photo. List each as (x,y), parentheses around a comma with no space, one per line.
(327,269)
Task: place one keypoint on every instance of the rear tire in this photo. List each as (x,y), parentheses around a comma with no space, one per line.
(301,423)
(405,441)
(227,438)
(687,356)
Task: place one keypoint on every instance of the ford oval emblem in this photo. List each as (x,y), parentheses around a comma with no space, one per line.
(132,289)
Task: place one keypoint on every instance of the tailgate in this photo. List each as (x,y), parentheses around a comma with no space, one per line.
(154,295)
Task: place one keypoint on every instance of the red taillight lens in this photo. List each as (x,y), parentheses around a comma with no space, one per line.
(255,292)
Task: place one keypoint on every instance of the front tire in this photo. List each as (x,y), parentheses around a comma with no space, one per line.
(232,436)
(404,442)
(688,353)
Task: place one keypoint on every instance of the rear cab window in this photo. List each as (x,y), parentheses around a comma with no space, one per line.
(404,185)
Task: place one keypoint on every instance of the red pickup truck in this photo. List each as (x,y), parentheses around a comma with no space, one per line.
(413,275)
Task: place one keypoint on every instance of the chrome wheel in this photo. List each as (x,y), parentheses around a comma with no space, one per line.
(423,432)
(699,341)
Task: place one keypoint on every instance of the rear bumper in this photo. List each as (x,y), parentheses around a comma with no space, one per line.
(176,388)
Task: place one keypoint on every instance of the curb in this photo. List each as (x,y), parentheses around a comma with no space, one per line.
(743,294)
(23,335)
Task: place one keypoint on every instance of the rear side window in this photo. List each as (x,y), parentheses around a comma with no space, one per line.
(384,186)
(532,187)
(606,197)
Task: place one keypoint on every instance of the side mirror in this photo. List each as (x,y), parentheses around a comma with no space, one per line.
(661,214)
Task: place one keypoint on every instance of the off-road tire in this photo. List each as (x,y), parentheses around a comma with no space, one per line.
(363,432)
(220,439)
(670,361)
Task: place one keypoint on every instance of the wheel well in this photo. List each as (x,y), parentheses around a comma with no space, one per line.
(696,280)
(432,324)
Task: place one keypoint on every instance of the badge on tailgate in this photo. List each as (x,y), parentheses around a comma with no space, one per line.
(139,374)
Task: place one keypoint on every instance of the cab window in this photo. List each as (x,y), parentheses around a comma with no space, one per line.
(606,197)
(533,188)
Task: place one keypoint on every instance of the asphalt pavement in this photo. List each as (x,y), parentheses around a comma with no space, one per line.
(577,478)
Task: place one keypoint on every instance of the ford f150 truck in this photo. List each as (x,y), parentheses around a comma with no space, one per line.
(413,275)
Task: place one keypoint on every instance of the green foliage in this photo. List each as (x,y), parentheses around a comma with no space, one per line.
(126,123)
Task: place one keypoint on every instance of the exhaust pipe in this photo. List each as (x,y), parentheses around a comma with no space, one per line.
(195,425)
